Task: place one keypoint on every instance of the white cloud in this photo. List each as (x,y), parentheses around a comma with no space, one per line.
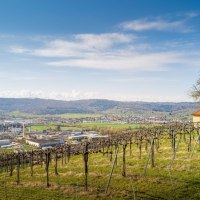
(70,95)
(109,51)
(19,50)
(117,51)
(135,79)
(77,45)
(117,61)
(161,23)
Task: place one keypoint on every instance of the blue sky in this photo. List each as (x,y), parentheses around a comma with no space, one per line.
(146,50)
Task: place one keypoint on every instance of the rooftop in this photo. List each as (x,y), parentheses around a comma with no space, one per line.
(196,113)
(44,141)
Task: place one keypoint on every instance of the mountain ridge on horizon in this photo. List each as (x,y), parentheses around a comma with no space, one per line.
(37,98)
(52,106)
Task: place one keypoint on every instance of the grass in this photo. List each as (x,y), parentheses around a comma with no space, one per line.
(167,180)
(110,125)
(77,116)
(88,125)
(42,127)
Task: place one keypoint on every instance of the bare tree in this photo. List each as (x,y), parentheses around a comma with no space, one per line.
(195,91)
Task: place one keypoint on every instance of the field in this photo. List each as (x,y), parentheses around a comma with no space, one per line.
(91,125)
(178,179)
(77,116)
(110,125)
(53,127)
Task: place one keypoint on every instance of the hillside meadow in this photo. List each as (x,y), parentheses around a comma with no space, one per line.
(178,179)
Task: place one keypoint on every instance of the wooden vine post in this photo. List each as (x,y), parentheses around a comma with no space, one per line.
(11,164)
(124,159)
(173,143)
(152,154)
(190,140)
(47,154)
(149,155)
(111,152)
(68,153)
(56,163)
(31,163)
(116,147)
(85,157)
(146,144)
(41,158)
(140,146)
(18,169)
(113,165)
(130,143)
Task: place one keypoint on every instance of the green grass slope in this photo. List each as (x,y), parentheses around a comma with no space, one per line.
(168,180)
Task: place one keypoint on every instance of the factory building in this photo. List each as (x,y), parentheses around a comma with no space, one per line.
(4,142)
(45,142)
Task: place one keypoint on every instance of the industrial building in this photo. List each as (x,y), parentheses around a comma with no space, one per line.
(5,142)
(45,142)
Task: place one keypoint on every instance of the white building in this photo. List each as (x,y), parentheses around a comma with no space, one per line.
(4,142)
(44,142)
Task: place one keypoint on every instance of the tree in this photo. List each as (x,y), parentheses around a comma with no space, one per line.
(195,92)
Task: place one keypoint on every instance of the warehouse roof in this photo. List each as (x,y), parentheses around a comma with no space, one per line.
(45,141)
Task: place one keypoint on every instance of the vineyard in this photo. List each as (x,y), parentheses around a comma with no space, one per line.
(159,162)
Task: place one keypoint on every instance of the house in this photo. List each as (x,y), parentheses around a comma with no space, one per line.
(196,116)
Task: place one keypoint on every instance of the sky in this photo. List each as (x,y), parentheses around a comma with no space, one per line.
(127,50)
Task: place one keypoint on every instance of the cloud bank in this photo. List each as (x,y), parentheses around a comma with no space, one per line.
(109,51)
(76,95)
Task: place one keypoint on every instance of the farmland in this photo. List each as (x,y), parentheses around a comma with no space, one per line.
(93,125)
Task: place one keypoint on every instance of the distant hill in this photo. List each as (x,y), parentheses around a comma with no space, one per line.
(46,106)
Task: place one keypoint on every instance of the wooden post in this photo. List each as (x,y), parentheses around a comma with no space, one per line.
(173,144)
(7,164)
(41,158)
(22,161)
(152,154)
(184,137)
(190,141)
(131,146)
(113,165)
(47,154)
(176,148)
(116,147)
(108,147)
(31,163)
(195,146)
(11,165)
(62,153)
(68,153)
(146,144)
(65,152)
(124,160)
(140,147)
(150,151)
(18,169)
(86,166)
(56,163)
